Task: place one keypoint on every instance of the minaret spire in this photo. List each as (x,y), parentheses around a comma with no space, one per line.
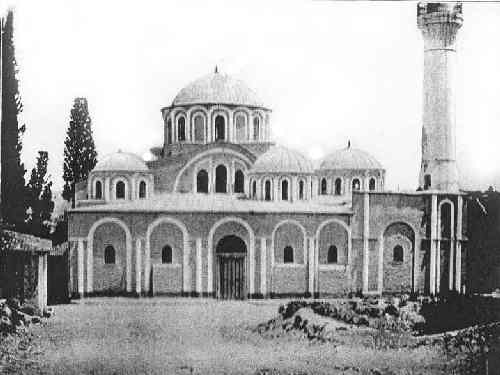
(439,23)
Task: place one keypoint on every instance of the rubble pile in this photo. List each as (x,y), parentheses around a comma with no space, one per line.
(16,317)
(319,320)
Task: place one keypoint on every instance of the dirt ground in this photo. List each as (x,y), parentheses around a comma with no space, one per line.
(198,336)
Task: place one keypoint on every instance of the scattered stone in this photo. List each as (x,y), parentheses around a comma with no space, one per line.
(392,310)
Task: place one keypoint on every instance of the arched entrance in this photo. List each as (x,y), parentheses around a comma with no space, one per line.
(231,251)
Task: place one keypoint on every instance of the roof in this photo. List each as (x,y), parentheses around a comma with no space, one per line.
(350,158)
(217,88)
(121,161)
(282,160)
(28,243)
(210,203)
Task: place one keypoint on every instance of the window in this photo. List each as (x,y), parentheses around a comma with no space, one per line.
(142,189)
(241,128)
(427,181)
(445,220)
(288,254)
(267,190)
(169,131)
(120,190)
(220,128)
(372,184)
(284,190)
(202,181)
(181,129)
(221,179)
(397,254)
(166,254)
(338,186)
(356,185)
(323,186)
(254,189)
(256,128)
(98,190)
(109,255)
(199,129)
(332,254)
(301,189)
(239,182)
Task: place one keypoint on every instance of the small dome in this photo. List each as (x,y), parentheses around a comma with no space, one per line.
(350,158)
(121,161)
(217,88)
(282,160)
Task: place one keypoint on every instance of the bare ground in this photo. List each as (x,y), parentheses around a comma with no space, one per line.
(198,336)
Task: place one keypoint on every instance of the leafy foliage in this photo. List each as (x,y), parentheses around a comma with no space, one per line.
(80,156)
(12,178)
(39,198)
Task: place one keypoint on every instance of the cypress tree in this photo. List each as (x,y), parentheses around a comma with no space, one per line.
(12,176)
(39,198)
(80,156)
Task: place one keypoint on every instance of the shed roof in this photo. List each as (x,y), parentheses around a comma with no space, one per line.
(188,202)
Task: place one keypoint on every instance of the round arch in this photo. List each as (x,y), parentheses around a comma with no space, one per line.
(294,222)
(90,251)
(205,154)
(250,250)
(415,249)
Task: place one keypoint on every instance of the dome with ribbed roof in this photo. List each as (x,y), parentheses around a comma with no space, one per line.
(282,160)
(217,88)
(350,158)
(121,161)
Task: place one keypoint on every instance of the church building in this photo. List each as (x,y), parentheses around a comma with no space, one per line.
(222,211)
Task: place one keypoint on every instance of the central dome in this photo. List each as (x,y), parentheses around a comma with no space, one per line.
(217,88)
(282,160)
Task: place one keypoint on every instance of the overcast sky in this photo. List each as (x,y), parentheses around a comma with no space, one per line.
(331,71)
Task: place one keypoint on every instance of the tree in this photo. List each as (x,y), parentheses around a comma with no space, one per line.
(39,198)
(80,156)
(12,175)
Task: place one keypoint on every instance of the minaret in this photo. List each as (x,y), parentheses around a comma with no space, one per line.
(439,23)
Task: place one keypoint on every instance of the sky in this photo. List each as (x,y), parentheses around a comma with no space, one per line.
(330,71)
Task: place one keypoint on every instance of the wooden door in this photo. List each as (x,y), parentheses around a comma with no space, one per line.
(232,276)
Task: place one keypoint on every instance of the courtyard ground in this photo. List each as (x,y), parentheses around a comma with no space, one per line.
(198,336)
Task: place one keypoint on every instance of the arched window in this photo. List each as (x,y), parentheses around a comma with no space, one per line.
(181,129)
(371,184)
(166,254)
(338,186)
(427,181)
(220,128)
(98,190)
(109,255)
(202,181)
(241,126)
(288,254)
(199,129)
(323,186)
(239,182)
(356,185)
(142,189)
(221,179)
(445,220)
(120,190)
(301,189)
(332,254)
(267,190)
(256,128)
(397,254)
(169,131)
(284,190)
(254,189)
